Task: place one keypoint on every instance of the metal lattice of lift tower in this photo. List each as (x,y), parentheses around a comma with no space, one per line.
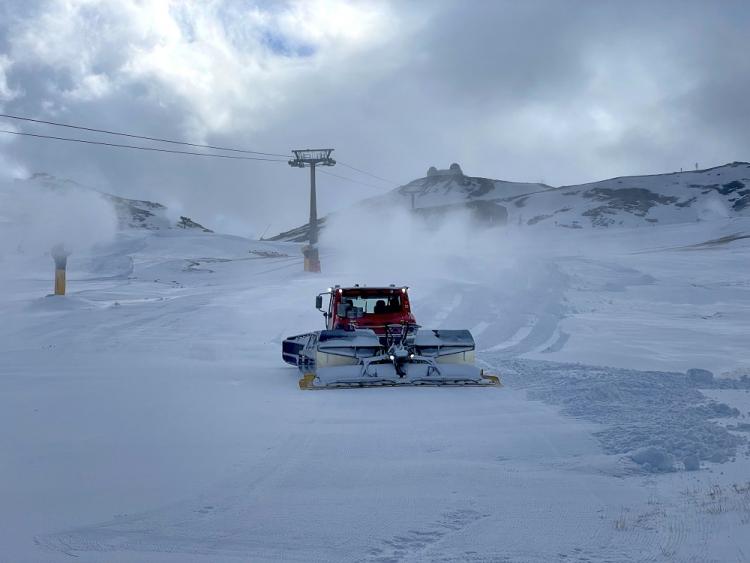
(312,158)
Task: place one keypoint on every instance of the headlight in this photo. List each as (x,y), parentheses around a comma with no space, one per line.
(392,357)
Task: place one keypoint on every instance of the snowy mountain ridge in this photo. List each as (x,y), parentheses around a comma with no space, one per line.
(631,201)
(452,186)
(622,201)
(131,213)
(626,201)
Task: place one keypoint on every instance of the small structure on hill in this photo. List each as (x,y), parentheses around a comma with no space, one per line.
(453,170)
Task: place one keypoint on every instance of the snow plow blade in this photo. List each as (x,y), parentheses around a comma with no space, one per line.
(338,378)
(333,359)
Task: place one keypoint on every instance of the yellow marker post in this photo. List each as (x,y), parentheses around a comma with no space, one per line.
(60,256)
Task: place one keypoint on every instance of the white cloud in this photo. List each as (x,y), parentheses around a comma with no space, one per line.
(234,67)
(6,92)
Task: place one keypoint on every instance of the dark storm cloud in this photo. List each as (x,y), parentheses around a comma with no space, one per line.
(630,84)
(701,111)
(564,91)
(501,52)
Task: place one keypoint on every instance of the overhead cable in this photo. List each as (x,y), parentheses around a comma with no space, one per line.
(143,137)
(367,173)
(136,147)
(350,179)
(175,142)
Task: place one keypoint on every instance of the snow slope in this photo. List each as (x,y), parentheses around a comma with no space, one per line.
(679,197)
(148,415)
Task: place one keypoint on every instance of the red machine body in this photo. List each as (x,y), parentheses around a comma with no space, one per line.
(368,307)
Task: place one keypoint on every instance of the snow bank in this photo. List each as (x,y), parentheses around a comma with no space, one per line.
(660,420)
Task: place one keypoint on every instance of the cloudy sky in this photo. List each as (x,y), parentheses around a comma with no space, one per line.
(561,91)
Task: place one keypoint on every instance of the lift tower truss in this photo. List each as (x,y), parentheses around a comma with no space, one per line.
(312,158)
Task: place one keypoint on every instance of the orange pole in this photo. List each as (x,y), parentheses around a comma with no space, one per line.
(59,281)
(60,256)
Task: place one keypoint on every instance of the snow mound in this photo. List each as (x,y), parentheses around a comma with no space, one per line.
(700,376)
(654,459)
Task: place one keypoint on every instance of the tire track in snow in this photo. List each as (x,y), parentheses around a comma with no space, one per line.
(443,314)
(414,542)
(519,336)
(539,310)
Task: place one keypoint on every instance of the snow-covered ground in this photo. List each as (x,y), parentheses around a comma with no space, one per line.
(147,416)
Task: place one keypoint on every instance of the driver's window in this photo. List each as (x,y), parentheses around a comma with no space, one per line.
(361,303)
